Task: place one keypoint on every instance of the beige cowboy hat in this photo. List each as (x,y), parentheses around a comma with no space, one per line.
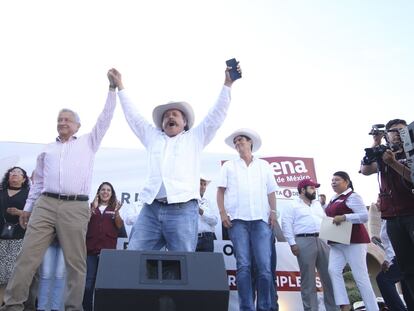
(257,142)
(184,107)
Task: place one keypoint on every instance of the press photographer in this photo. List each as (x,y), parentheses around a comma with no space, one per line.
(396,192)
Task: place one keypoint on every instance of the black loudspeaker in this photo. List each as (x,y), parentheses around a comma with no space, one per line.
(161,281)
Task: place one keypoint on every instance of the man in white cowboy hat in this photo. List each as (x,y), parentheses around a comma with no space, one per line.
(247,203)
(169,215)
(207,220)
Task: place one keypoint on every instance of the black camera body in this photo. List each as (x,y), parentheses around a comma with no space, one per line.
(374,154)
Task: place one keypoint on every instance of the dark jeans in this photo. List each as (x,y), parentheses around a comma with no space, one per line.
(401,232)
(205,242)
(386,283)
(92,269)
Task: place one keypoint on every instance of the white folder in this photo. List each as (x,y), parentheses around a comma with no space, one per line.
(337,233)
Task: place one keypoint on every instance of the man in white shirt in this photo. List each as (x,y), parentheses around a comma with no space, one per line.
(301,224)
(207,220)
(170,194)
(247,203)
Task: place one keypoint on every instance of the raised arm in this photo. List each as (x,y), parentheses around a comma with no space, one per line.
(104,120)
(138,124)
(217,114)
(371,168)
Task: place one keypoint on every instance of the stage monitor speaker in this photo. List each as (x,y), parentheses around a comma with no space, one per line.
(161,281)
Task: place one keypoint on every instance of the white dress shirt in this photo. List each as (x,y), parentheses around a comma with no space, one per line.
(66,168)
(129,213)
(208,220)
(247,188)
(301,218)
(389,251)
(175,161)
(356,204)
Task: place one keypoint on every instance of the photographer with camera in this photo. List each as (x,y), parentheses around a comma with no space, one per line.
(396,193)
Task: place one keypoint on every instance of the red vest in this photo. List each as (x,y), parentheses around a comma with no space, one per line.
(359,233)
(102,232)
(397,198)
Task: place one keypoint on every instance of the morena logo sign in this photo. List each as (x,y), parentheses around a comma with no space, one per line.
(289,171)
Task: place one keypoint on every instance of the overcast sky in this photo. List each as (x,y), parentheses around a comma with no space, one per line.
(316,74)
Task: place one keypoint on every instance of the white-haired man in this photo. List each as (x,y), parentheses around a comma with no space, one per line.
(169,215)
(58,206)
(247,203)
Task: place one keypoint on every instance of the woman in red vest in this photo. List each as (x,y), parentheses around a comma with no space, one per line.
(346,205)
(102,233)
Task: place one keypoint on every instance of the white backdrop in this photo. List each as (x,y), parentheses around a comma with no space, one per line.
(126,170)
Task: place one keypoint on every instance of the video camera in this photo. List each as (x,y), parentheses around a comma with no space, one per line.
(377,129)
(375,153)
(407,139)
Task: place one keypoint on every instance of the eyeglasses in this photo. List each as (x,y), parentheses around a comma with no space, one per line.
(17,172)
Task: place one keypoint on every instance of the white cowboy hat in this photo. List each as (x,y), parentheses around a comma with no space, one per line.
(184,107)
(204,177)
(359,305)
(256,141)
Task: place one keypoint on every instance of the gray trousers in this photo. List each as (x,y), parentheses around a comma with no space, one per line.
(314,253)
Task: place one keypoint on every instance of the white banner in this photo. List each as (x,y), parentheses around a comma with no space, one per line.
(126,170)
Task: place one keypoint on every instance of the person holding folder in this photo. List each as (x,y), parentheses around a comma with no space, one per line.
(346,205)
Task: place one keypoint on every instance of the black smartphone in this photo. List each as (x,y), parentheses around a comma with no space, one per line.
(234,74)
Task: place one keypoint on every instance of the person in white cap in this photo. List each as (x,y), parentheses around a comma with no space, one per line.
(169,215)
(207,220)
(247,203)
(301,224)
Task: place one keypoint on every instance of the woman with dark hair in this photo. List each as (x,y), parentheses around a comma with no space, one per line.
(13,195)
(102,233)
(346,205)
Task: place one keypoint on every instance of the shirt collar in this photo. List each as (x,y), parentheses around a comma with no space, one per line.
(253,159)
(343,193)
(179,134)
(59,140)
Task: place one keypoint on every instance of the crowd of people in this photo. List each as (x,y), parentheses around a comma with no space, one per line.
(51,236)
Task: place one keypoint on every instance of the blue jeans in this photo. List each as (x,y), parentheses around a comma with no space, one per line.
(386,283)
(273,263)
(91,271)
(253,238)
(52,272)
(171,225)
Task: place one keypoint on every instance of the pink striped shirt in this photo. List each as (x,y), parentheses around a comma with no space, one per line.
(66,168)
